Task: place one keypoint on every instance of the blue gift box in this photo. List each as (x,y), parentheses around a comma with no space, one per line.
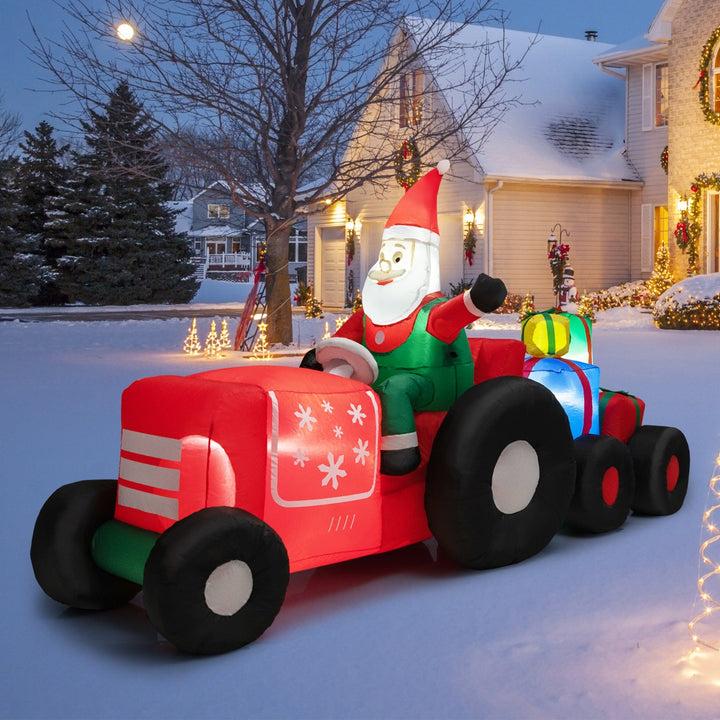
(576,385)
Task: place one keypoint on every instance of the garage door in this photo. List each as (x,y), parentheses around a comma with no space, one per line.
(333,267)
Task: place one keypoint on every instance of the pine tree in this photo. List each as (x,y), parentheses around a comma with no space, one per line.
(113,221)
(662,277)
(20,262)
(40,174)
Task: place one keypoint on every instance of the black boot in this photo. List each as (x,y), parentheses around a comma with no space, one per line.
(399,462)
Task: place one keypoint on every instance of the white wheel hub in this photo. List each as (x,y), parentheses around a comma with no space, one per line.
(228,587)
(515,477)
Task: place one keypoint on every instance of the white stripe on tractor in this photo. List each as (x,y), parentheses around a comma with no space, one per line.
(150,475)
(146,502)
(151,445)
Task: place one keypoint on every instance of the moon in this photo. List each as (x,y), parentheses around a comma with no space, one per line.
(125,31)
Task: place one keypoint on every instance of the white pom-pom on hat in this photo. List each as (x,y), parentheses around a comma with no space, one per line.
(443,166)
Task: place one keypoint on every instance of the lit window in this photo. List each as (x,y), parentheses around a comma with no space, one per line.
(411,99)
(715,81)
(217,211)
(660,227)
(661,95)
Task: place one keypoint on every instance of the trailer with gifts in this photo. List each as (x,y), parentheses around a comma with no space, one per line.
(231,479)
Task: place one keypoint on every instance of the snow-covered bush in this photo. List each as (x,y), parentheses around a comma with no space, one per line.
(634,294)
(693,303)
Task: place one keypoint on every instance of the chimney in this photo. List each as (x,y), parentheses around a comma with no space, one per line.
(591,35)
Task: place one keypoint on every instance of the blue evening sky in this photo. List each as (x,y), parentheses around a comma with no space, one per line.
(24,92)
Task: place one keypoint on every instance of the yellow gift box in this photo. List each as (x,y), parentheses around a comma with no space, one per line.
(546,335)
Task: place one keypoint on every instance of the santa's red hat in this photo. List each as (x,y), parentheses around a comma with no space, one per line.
(415,215)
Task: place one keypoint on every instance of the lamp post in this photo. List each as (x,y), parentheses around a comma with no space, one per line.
(557,257)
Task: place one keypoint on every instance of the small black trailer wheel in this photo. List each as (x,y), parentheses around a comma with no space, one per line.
(501,473)
(661,459)
(61,548)
(215,580)
(604,484)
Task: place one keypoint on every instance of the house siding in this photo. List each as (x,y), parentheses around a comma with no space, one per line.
(598,223)
(644,148)
(694,142)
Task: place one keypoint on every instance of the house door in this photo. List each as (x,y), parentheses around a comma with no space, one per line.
(713,232)
(333,267)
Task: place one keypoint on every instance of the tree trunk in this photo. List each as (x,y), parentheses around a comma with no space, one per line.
(277,285)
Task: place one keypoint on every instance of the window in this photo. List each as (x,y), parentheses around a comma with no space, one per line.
(654,96)
(298,246)
(661,95)
(217,211)
(411,99)
(660,227)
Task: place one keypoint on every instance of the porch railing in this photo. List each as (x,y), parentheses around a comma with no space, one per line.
(240,261)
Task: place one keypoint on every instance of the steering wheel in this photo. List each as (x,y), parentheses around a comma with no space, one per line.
(342,356)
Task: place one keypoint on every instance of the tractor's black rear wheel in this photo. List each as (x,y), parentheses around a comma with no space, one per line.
(661,459)
(604,484)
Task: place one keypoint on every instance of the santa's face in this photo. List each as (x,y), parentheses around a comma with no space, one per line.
(398,281)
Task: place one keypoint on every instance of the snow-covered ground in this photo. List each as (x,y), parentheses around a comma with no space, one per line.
(592,627)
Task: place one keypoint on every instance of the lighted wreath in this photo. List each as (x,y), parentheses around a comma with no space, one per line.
(688,231)
(703,80)
(407,164)
(664,159)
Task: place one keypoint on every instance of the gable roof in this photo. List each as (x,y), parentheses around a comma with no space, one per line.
(570,123)
(661,27)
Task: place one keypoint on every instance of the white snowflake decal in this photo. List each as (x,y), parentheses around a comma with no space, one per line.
(338,431)
(326,406)
(300,457)
(356,412)
(305,417)
(361,451)
(333,470)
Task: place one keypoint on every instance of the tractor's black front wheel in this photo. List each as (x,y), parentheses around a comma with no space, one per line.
(61,549)
(215,580)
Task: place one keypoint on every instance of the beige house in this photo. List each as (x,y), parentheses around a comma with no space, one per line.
(556,160)
(583,150)
(673,102)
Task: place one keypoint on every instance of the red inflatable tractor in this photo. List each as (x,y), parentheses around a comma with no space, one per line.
(231,479)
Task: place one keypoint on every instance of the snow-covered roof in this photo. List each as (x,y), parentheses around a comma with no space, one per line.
(661,27)
(216,185)
(637,50)
(216,231)
(570,124)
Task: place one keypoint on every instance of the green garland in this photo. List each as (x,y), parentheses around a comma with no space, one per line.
(688,231)
(408,153)
(664,159)
(703,80)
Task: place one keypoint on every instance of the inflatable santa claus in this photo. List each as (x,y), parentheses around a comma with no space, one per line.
(408,341)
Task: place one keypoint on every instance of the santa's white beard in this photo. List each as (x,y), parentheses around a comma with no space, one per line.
(390,303)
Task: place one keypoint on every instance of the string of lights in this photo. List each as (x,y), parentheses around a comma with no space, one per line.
(710,567)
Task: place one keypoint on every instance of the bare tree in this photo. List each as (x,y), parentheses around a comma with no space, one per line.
(10,130)
(282,90)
